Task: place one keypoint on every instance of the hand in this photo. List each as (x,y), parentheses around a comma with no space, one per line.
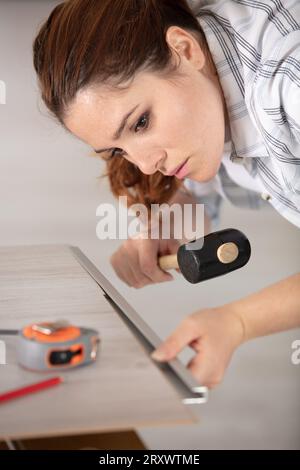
(214,334)
(136,261)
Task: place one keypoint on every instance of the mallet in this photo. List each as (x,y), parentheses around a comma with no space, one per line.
(221,252)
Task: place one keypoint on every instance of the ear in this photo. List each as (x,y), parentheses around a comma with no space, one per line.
(186,45)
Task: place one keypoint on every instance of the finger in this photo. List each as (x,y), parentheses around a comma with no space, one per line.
(119,262)
(125,276)
(172,246)
(139,279)
(204,371)
(115,267)
(184,334)
(133,264)
(148,264)
(196,367)
(129,272)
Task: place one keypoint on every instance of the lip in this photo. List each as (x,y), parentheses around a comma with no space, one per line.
(178,169)
(183,170)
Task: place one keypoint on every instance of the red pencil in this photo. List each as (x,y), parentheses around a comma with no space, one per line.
(37,387)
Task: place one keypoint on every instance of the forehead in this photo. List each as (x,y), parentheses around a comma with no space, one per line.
(102,107)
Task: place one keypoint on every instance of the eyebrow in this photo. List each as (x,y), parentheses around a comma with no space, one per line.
(120,130)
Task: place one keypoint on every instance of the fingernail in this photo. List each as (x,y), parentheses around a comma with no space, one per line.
(158,355)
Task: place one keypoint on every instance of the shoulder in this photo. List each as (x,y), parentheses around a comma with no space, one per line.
(274,96)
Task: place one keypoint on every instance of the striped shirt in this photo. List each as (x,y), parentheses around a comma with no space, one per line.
(255,46)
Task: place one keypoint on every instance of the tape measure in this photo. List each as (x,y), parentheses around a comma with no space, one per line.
(58,345)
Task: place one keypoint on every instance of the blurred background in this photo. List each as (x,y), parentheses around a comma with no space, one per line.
(49,192)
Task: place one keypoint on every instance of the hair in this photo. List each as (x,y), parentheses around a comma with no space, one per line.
(89,42)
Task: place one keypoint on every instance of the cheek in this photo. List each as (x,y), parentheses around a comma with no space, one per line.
(191,116)
(209,138)
(179,127)
(213,127)
(214,113)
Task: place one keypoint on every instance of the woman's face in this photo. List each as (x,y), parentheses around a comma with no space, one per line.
(172,121)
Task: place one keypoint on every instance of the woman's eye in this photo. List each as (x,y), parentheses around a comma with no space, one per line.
(143,122)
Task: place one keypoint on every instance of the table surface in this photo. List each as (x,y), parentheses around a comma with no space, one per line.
(123,389)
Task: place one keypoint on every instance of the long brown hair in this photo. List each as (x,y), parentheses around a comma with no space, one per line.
(86,42)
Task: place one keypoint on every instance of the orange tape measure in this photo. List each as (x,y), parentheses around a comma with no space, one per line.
(57,345)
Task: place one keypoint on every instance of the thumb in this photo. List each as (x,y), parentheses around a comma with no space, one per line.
(184,334)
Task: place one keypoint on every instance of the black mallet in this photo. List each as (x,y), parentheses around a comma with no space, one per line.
(213,255)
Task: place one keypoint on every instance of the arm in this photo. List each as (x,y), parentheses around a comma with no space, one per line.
(215,333)
(272,309)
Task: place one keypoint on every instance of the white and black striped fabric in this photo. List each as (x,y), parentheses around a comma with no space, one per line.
(255,46)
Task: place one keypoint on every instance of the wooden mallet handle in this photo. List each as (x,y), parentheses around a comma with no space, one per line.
(167,262)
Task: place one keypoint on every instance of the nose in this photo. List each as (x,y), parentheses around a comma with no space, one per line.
(152,162)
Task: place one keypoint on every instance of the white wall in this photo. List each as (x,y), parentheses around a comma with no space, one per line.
(49,193)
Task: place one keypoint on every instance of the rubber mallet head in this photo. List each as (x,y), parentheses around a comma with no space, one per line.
(220,253)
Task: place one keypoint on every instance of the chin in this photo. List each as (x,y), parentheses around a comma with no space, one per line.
(206,173)
(203,176)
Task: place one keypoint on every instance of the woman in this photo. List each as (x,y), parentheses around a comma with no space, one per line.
(203,96)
